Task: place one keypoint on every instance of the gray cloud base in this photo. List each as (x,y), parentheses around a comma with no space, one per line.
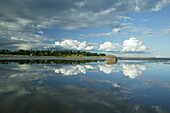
(25,20)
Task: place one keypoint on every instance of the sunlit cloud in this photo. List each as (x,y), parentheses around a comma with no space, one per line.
(108,46)
(133,45)
(130,45)
(75,45)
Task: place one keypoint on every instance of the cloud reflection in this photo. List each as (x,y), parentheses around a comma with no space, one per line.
(74,69)
(108,68)
(130,70)
(52,93)
(72,99)
(133,70)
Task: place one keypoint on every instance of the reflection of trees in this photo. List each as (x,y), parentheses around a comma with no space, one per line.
(47,61)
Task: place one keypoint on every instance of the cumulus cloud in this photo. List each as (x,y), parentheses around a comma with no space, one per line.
(75,45)
(108,46)
(133,45)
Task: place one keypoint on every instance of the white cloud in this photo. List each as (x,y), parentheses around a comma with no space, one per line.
(133,45)
(108,46)
(133,70)
(75,45)
(161,4)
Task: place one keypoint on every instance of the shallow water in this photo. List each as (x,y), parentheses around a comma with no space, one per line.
(84,86)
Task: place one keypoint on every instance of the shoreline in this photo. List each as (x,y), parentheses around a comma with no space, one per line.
(51,58)
(22,57)
(141,58)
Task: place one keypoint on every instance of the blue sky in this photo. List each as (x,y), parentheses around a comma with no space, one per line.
(120,27)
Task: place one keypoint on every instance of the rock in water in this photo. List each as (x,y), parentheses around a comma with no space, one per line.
(111,59)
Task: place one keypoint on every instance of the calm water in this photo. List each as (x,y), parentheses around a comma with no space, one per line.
(84,87)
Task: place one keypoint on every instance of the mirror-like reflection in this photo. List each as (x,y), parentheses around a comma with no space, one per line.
(80,86)
(111,61)
(130,70)
(48,61)
(74,70)
(133,70)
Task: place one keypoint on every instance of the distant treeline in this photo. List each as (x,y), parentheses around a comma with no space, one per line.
(49,53)
(47,61)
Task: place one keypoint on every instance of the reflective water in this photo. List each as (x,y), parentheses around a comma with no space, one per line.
(84,87)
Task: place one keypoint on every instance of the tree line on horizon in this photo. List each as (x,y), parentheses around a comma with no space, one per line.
(49,53)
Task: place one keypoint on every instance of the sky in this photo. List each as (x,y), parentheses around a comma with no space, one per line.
(119,27)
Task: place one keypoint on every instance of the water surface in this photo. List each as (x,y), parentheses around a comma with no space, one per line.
(83,86)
